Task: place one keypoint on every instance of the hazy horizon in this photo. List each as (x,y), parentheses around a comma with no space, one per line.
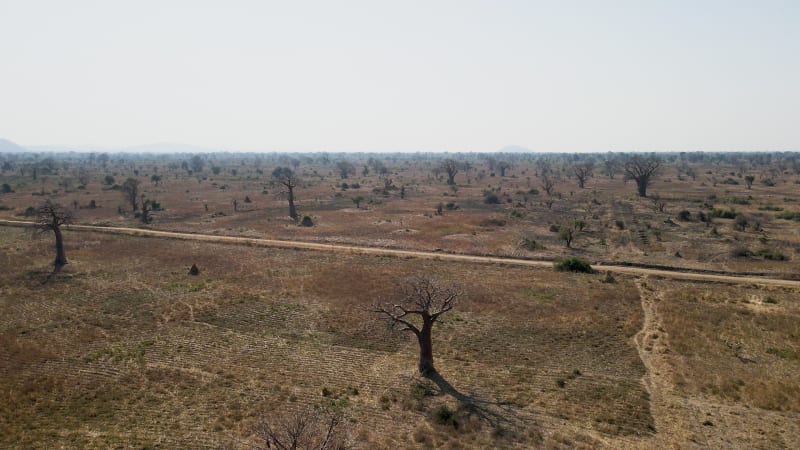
(417,76)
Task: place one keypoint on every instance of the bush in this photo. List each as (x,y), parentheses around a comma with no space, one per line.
(771,254)
(685,215)
(307,221)
(723,213)
(491,199)
(573,264)
(443,415)
(789,215)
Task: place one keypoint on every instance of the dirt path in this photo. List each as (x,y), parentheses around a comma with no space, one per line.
(672,274)
(675,421)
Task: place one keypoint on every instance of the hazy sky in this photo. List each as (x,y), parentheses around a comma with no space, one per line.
(403,75)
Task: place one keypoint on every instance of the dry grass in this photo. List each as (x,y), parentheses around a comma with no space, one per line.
(132,351)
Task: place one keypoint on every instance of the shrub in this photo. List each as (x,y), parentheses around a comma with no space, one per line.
(573,264)
(768,182)
(443,415)
(771,254)
(685,215)
(491,199)
(620,224)
(789,215)
(307,221)
(723,213)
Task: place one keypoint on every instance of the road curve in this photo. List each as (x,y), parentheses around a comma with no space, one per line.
(630,270)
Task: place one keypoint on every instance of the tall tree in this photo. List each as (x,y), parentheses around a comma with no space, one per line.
(50,217)
(642,170)
(451,167)
(421,302)
(130,189)
(345,168)
(286,177)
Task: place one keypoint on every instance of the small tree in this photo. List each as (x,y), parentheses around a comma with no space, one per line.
(642,170)
(50,217)
(566,234)
(357,200)
(308,429)
(422,301)
(748,180)
(548,183)
(502,166)
(130,189)
(582,172)
(345,169)
(287,178)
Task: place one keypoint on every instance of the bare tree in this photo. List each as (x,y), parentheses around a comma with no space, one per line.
(130,189)
(345,169)
(610,167)
(285,176)
(642,170)
(582,172)
(50,217)
(548,183)
(451,167)
(502,166)
(748,180)
(422,301)
(309,429)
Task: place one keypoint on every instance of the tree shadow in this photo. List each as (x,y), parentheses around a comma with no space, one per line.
(496,414)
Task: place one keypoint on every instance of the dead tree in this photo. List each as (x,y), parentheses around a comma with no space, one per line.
(422,301)
(130,189)
(642,170)
(289,180)
(582,172)
(309,429)
(50,217)
(502,166)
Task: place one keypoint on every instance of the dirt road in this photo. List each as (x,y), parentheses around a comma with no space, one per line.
(676,274)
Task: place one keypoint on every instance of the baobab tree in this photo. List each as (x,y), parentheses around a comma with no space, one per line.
(421,302)
(451,168)
(50,217)
(130,190)
(286,177)
(642,170)
(582,172)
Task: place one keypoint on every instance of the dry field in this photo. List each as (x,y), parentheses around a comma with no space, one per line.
(618,226)
(124,349)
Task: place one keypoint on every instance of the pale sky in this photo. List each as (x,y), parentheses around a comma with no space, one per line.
(403,75)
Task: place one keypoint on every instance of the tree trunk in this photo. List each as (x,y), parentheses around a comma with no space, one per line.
(292,209)
(641,184)
(61,257)
(451,178)
(425,349)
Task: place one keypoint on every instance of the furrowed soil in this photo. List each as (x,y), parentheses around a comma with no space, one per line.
(125,349)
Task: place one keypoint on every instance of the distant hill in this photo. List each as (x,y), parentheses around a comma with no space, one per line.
(514,149)
(7,146)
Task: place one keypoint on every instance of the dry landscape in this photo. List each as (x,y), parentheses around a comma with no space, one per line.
(123,348)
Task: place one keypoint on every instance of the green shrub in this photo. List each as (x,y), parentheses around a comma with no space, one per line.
(573,264)
(771,254)
(723,213)
(443,415)
(789,215)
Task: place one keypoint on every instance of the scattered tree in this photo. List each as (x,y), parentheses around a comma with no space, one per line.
(642,170)
(582,172)
(50,217)
(748,180)
(548,183)
(286,177)
(566,234)
(357,200)
(345,169)
(130,189)
(451,167)
(422,301)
